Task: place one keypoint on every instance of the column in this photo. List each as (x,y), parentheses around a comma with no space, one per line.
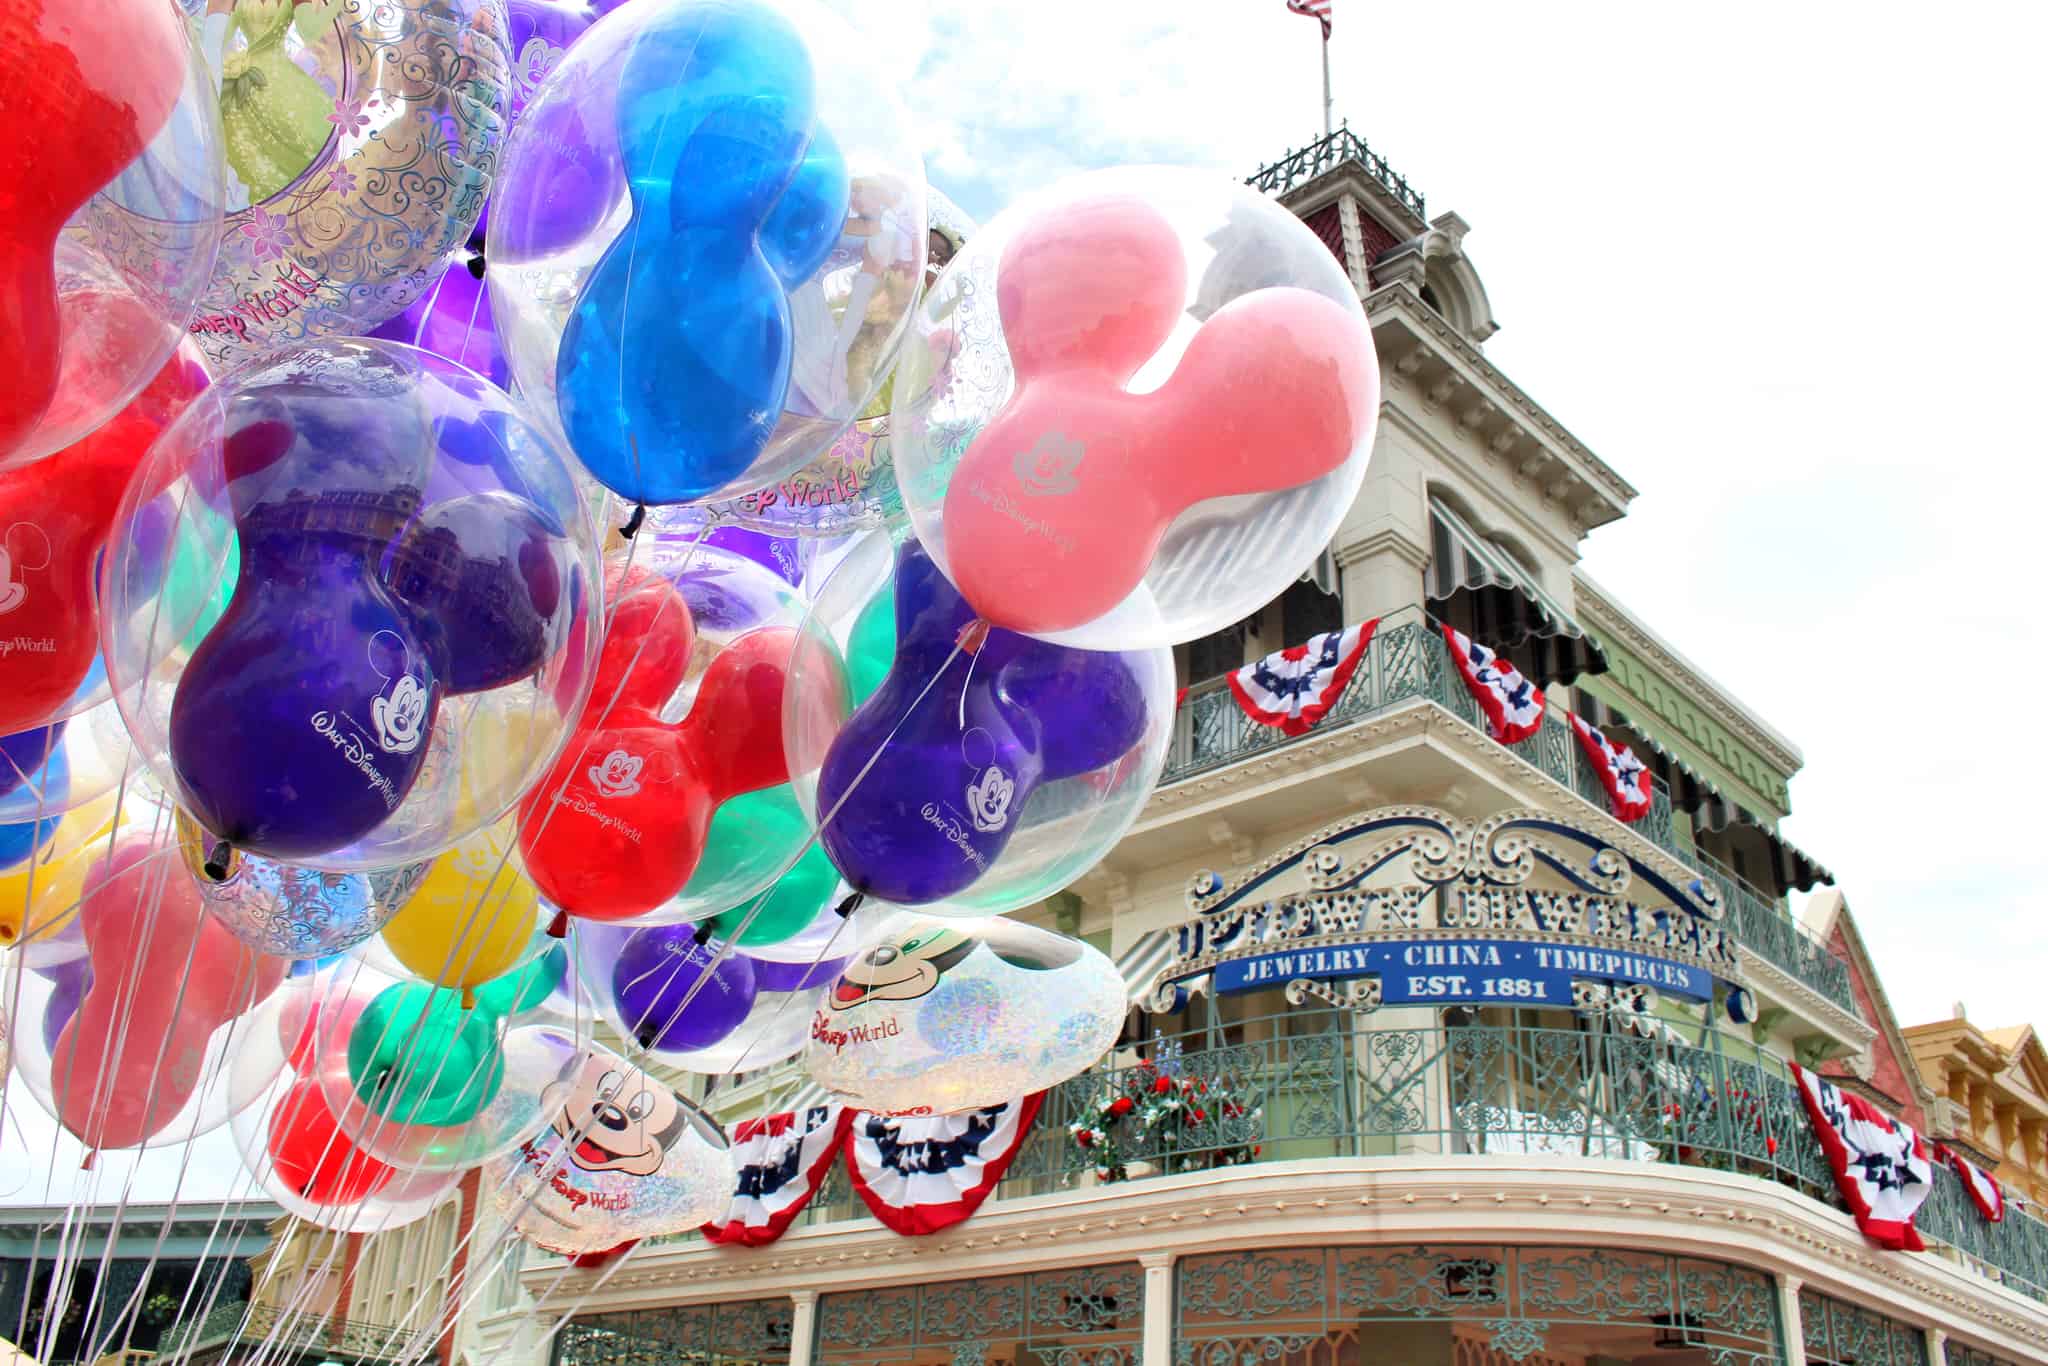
(1937,1347)
(803,1327)
(1790,1321)
(1157,1345)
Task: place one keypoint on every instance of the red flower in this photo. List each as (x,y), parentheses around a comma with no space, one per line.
(1085,1139)
(1201,1115)
(1161,1085)
(1771,1146)
(1121,1106)
(1203,1087)
(1145,1063)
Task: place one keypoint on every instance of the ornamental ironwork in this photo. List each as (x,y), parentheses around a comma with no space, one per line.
(1329,151)
(1500,1303)
(1839,1333)
(746,1333)
(1081,1316)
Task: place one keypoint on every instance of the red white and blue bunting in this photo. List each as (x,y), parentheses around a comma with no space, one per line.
(1513,706)
(1983,1188)
(1881,1166)
(781,1159)
(1626,778)
(921,1173)
(1294,688)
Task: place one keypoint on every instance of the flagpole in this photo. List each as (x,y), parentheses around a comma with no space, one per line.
(1326,78)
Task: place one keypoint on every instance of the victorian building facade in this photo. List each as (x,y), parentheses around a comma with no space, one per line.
(1511,1076)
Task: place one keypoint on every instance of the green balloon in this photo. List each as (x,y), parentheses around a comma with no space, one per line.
(871,649)
(525,987)
(749,837)
(416,1056)
(792,903)
(196,589)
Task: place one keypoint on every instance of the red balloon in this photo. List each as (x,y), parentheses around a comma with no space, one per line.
(165,975)
(1059,505)
(618,826)
(55,515)
(83,88)
(314,1158)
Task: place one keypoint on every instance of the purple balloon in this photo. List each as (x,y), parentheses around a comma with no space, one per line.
(932,789)
(779,553)
(770,975)
(69,981)
(655,973)
(484,574)
(541,32)
(453,319)
(25,752)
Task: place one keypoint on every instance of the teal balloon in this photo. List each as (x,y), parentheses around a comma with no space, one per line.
(784,909)
(525,987)
(750,837)
(871,648)
(417,1057)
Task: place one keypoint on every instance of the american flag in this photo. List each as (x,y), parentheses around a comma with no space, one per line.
(1319,10)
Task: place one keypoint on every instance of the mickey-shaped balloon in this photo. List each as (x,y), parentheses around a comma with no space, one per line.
(163,978)
(83,89)
(922,789)
(619,825)
(1060,503)
(672,372)
(54,518)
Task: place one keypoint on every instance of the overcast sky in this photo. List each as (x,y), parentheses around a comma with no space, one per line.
(1781,266)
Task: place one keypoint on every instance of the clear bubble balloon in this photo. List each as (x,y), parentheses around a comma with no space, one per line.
(670,800)
(694,230)
(360,136)
(291,912)
(982,770)
(65,765)
(411,625)
(113,233)
(1134,408)
(940,1016)
(621,1158)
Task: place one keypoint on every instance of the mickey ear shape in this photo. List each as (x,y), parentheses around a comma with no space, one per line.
(1032,953)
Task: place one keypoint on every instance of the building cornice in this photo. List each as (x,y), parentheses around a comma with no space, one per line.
(1604,615)
(1517,434)
(1781,986)
(1688,1211)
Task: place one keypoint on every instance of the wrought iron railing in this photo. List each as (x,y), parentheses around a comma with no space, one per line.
(1332,150)
(296,1332)
(1406,662)
(1325,1084)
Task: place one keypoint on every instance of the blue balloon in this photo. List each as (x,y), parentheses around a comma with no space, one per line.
(26,752)
(923,787)
(18,841)
(673,369)
(656,984)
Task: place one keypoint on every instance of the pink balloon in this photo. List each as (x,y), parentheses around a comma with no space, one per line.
(1060,504)
(165,975)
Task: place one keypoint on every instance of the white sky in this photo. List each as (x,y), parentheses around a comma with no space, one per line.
(1780,265)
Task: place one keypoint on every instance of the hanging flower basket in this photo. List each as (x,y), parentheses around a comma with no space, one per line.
(1178,1123)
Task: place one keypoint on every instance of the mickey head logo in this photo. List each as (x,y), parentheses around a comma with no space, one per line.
(24,548)
(398,716)
(988,799)
(1048,467)
(616,775)
(536,60)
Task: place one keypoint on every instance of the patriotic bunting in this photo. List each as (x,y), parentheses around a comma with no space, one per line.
(1984,1191)
(1512,704)
(781,1159)
(1625,777)
(919,1174)
(1314,9)
(1881,1166)
(1293,688)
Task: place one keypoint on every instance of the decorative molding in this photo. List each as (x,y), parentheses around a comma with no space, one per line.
(1690,1211)
(1392,305)
(1769,980)
(1600,612)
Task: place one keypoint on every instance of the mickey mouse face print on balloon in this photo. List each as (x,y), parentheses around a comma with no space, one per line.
(1147,399)
(717,327)
(400,651)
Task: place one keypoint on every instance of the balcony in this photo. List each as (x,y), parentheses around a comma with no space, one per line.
(1324,1084)
(1407,662)
(227,1325)
(1326,153)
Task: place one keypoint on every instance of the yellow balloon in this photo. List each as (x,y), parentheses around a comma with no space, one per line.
(474,915)
(39,896)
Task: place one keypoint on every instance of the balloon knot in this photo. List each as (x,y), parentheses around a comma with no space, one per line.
(558,928)
(849,904)
(469,998)
(633,523)
(90,1154)
(703,934)
(973,636)
(219,858)
(476,265)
